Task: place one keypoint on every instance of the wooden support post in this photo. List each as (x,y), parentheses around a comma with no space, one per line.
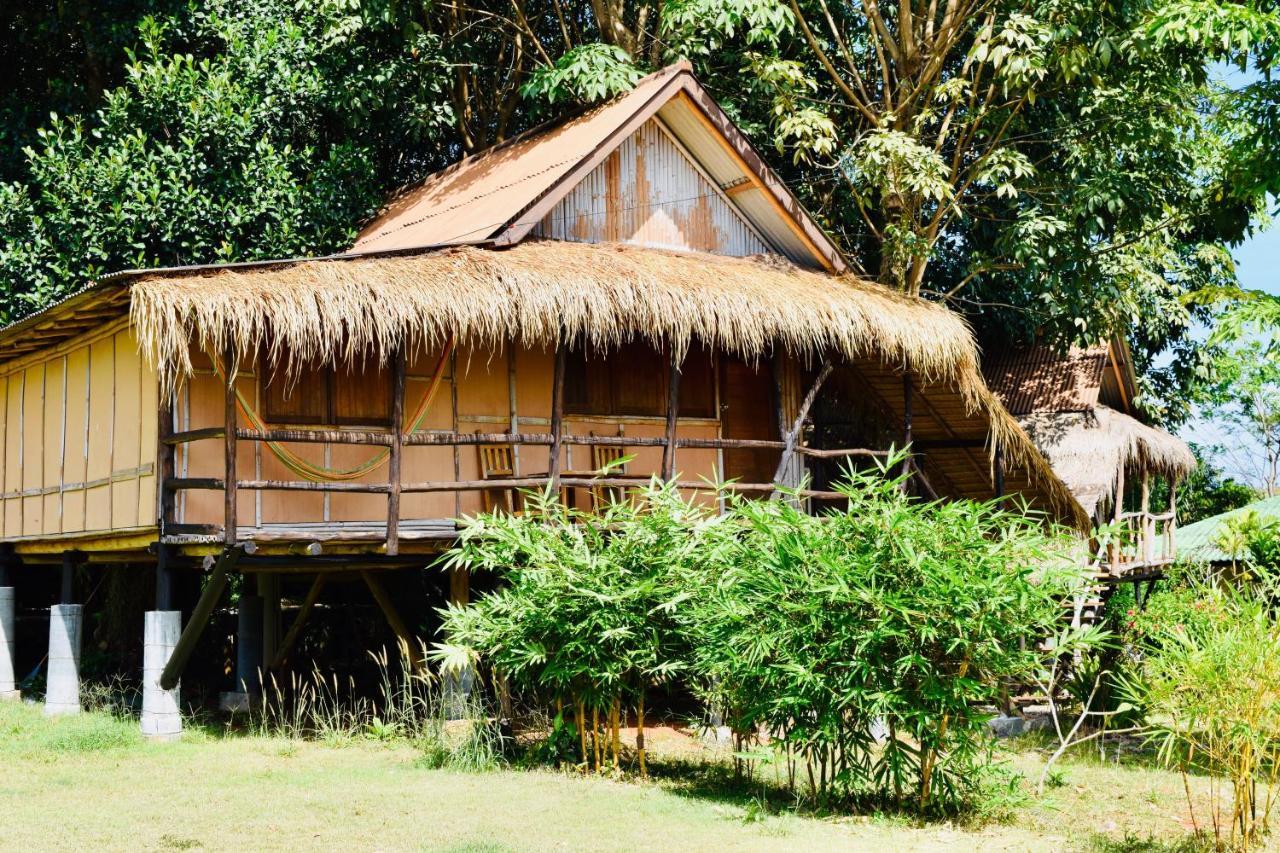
(299,622)
(557,416)
(269,592)
(164,578)
(907,389)
(398,627)
(213,588)
(67,593)
(791,439)
(673,418)
(779,406)
(997,466)
(231,366)
(393,461)
(166,501)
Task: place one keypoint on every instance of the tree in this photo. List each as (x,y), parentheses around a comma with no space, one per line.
(1245,396)
(242,131)
(1207,491)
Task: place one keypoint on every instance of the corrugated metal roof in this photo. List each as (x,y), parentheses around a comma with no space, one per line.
(1198,541)
(504,193)
(1038,379)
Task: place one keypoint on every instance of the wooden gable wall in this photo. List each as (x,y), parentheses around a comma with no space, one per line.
(649,192)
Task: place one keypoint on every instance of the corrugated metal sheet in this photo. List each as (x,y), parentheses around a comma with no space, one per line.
(1198,541)
(507,192)
(649,193)
(1038,379)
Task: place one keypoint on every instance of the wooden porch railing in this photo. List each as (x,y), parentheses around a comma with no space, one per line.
(790,445)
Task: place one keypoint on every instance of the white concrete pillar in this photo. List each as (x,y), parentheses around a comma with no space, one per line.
(63,693)
(8,680)
(161,719)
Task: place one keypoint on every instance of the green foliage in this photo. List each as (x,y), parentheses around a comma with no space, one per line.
(1207,491)
(820,630)
(244,130)
(587,73)
(1209,676)
(588,606)
(817,631)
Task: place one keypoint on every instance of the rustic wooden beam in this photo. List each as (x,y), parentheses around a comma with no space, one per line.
(231,366)
(166,503)
(309,486)
(393,460)
(299,622)
(319,436)
(839,453)
(173,438)
(397,624)
(792,436)
(557,415)
(186,644)
(673,417)
(907,388)
(208,484)
(997,464)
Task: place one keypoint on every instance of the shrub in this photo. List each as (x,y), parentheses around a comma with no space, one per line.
(586,617)
(865,641)
(1211,682)
(861,644)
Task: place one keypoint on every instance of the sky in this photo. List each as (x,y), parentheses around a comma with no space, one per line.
(1258,268)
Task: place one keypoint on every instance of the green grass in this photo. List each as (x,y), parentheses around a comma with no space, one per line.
(92,782)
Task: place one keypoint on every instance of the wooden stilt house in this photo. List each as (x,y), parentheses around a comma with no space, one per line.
(1079,410)
(631,282)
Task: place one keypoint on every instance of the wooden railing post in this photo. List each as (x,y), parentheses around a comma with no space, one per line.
(997,465)
(673,416)
(907,389)
(557,416)
(397,443)
(231,366)
(791,438)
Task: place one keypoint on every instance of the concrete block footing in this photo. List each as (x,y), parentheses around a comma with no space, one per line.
(63,693)
(161,716)
(8,680)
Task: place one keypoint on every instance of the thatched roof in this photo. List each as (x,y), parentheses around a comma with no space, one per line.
(1088,450)
(540,292)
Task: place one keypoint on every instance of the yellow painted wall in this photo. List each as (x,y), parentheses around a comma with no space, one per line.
(79,434)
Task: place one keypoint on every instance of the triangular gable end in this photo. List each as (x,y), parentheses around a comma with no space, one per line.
(512,191)
(649,192)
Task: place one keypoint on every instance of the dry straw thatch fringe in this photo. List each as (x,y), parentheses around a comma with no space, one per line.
(537,293)
(1089,449)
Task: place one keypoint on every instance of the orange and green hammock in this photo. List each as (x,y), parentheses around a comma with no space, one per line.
(322,473)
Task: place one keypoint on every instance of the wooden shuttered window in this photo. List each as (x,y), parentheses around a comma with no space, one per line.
(348,395)
(631,381)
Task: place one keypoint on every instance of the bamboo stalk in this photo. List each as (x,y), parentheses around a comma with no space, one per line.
(640,749)
(595,735)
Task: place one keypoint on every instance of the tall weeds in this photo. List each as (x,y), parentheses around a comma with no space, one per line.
(409,706)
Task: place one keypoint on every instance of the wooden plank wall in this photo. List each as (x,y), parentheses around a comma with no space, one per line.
(480,400)
(79,433)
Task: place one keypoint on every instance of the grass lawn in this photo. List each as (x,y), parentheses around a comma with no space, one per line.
(90,782)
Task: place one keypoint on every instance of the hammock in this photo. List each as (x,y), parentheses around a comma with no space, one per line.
(321,473)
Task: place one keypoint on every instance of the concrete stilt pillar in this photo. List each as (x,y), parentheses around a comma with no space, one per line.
(63,693)
(8,681)
(161,718)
